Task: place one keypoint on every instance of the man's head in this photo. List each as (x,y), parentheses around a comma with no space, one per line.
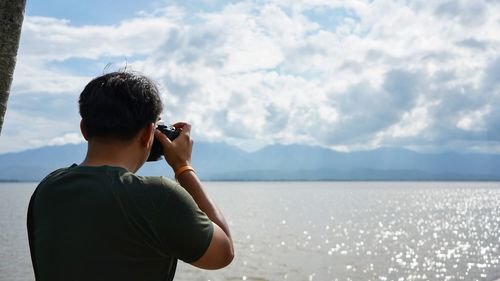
(119,105)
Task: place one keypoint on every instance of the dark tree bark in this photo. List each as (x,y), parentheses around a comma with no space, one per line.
(11,20)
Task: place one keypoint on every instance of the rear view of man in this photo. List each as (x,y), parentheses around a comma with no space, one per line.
(99,221)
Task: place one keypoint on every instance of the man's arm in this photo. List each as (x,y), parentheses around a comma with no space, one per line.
(220,252)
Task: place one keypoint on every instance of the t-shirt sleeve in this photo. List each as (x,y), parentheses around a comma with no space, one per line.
(185,230)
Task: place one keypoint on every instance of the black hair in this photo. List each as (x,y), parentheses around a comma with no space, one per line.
(119,104)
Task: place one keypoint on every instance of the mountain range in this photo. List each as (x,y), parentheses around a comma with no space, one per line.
(220,161)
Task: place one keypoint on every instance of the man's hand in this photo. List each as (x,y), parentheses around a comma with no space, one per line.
(177,152)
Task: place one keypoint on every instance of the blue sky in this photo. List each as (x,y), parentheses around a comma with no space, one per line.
(347,75)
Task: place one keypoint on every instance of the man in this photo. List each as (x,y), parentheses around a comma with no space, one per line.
(99,221)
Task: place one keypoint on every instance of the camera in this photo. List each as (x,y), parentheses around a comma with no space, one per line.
(157,149)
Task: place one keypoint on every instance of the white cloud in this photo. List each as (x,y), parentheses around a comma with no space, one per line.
(412,124)
(35,77)
(52,39)
(67,138)
(342,74)
(22,131)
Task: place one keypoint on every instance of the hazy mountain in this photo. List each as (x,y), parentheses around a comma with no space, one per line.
(219,161)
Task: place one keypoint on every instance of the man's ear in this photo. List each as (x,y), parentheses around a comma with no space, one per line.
(83,130)
(147,134)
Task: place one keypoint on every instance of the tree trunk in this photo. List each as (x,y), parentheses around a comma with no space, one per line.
(11,20)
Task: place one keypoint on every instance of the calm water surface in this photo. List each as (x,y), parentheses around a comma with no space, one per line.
(327,231)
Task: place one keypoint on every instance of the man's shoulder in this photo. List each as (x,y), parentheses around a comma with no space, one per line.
(106,174)
(158,183)
(168,191)
(147,181)
(115,178)
(54,175)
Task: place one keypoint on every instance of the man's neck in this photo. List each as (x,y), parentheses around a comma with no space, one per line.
(110,153)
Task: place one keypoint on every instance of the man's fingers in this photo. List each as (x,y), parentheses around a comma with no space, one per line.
(185,127)
(179,125)
(162,138)
(177,152)
(186,130)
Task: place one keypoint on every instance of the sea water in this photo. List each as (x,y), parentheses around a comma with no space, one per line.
(326,231)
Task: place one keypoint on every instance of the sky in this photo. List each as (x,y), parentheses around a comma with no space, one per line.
(347,75)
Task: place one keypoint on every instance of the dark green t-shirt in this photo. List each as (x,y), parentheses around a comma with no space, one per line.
(105,223)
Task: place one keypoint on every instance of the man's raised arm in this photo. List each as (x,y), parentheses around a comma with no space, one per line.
(220,252)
